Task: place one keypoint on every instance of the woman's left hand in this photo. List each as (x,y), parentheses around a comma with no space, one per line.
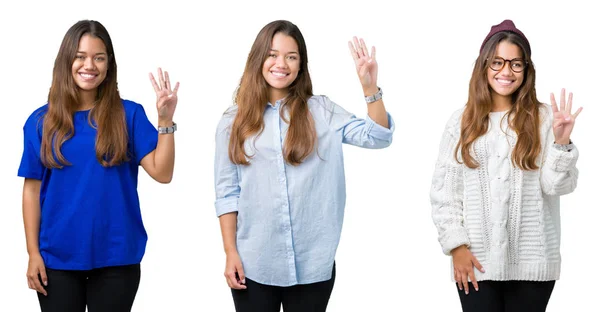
(166,99)
(564,121)
(366,65)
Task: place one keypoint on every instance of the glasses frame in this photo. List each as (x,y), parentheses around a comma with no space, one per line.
(525,64)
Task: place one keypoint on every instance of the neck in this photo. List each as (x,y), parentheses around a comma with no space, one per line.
(501,103)
(276,95)
(87,99)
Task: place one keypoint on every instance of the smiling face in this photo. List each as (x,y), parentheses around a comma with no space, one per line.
(504,82)
(90,65)
(282,65)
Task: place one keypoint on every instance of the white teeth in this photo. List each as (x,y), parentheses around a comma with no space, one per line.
(278,74)
(87,76)
(504,82)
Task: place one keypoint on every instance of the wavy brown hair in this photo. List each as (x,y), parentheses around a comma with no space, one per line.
(107,115)
(253,94)
(523,115)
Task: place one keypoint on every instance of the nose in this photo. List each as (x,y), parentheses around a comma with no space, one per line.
(281,61)
(506,70)
(89,63)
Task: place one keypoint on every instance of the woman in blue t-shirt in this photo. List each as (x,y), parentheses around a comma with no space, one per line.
(279,173)
(84,231)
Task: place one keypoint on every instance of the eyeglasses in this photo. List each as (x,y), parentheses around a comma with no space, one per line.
(517,65)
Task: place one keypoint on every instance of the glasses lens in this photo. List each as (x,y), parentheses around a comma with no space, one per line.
(517,65)
(497,64)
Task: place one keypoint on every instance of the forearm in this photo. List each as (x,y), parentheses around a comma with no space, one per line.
(31,215)
(376,110)
(164,156)
(228,223)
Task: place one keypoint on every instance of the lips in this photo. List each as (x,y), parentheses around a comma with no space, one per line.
(279,74)
(504,82)
(87,76)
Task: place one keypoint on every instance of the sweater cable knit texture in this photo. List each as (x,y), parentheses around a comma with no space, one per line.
(509,218)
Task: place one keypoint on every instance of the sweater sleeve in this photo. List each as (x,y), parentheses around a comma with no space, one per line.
(558,170)
(446,192)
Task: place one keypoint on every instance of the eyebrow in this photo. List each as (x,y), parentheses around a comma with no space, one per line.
(515,58)
(83,52)
(293,52)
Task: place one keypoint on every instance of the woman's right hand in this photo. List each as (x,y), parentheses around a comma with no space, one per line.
(464,261)
(366,65)
(234,272)
(35,270)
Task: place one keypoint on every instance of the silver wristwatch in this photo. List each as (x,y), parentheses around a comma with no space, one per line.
(167,130)
(375,97)
(564,147)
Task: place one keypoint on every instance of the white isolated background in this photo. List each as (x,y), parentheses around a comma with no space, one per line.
(388,258)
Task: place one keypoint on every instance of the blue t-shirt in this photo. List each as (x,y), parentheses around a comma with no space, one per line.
(90,214)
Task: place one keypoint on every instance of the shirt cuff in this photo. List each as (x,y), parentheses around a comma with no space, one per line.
(226,205)
(454,238)
(380,132)
(561,161)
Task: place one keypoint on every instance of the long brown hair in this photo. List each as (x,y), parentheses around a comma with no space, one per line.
(253,94)
(523,115)
(107,115)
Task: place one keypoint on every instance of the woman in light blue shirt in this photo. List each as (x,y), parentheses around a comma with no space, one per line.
(279,173)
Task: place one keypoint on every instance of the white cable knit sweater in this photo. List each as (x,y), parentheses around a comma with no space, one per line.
(509,218)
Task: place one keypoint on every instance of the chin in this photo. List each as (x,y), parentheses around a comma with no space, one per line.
(504,92)
(84,87)
(279,85)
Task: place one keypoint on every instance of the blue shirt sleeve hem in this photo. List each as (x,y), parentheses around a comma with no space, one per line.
(226,205)
(380,132)
(29,175)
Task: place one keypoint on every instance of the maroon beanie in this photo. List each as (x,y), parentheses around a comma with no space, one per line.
(509,26)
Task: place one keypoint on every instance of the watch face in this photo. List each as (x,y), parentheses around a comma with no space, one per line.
(375,97)
(170,129)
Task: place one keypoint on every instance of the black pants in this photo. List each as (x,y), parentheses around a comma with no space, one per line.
(110,289)
(299,298)
(509,296)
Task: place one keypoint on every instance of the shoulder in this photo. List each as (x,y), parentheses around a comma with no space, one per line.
(453,123)
(227,119)
(546,115)
(322,103)
(35,119)
(131,107)
(135,112)
(456,116)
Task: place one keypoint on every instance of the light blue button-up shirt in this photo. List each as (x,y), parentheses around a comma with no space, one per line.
(290,217)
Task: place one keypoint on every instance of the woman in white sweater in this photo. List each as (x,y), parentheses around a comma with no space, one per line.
(504,160)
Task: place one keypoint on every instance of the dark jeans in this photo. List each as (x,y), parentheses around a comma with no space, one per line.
(110,289)
(508,296)
(299,298)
